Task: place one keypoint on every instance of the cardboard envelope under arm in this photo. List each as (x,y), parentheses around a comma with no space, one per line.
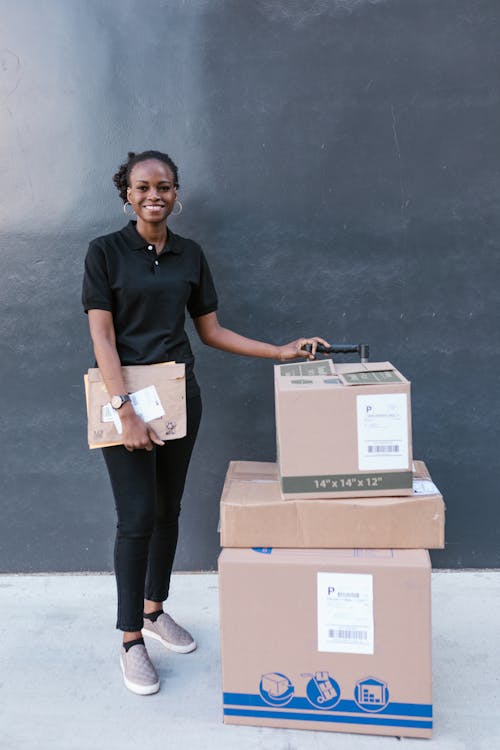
(162,394)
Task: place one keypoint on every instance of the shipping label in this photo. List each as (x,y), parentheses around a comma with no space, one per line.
(108,414)
(147,404)
(345,613)
(382,431)
(424,487)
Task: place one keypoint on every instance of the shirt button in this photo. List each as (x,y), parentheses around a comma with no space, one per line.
(156,262)
(150,247)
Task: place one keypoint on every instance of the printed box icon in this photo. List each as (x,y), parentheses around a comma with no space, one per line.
(274,684)
(372,694)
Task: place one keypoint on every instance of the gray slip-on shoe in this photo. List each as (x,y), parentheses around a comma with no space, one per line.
(166,630)
(139,675)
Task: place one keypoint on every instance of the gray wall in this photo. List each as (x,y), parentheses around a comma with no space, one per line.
(339,164)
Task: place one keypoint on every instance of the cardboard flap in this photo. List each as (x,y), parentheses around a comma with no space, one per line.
(420,470)
(136,374)
(346,367)
(252,470)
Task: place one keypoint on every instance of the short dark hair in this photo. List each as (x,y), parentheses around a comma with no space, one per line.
(122,177)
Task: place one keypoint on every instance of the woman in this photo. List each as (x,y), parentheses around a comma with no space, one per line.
(137,285)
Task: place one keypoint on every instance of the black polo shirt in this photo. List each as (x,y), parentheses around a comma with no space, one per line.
(148,295)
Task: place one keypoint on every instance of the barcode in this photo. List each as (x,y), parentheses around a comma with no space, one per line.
(348,635)
(347,594)
(107,413)
(383,449)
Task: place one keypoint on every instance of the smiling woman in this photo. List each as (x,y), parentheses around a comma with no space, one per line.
(137,285)
(149,185)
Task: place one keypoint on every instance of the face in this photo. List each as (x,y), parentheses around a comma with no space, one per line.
(152,193)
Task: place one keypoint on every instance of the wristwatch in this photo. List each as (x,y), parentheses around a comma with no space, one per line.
(118,401)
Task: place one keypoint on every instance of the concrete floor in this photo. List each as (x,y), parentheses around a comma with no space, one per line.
(61,688)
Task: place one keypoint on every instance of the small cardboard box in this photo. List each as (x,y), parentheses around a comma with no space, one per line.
(334,640)
(343,430)
(166,386)
(253,513)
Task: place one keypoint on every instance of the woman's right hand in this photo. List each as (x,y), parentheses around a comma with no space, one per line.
(137,434)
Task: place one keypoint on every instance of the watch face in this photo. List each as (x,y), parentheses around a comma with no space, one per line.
(116,402)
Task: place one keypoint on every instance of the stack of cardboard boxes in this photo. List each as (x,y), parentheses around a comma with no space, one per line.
(325,574)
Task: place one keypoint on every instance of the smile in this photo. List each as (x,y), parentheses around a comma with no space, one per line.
(154,208)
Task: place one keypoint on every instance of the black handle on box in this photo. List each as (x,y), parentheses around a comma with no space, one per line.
(362,349)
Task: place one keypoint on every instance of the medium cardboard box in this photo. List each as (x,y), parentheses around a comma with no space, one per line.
(343,430)
(334,640)
(254,514)
(162,388)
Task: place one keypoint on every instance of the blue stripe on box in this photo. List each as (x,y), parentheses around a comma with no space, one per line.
(328,717)
(247,701)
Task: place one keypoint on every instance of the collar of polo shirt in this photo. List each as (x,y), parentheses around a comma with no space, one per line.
(136,242)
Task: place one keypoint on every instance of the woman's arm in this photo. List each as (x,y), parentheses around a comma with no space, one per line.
(213,334)
(136,433)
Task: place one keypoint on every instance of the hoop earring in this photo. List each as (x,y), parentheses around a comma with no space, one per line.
(127,213)
(178,203)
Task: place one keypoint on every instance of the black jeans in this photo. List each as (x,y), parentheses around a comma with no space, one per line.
(148,487)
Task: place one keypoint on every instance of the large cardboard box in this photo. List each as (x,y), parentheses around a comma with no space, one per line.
(343,430)
(253,513)
(335,640)
(158,393)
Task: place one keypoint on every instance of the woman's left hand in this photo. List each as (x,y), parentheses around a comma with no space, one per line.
(296,348)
